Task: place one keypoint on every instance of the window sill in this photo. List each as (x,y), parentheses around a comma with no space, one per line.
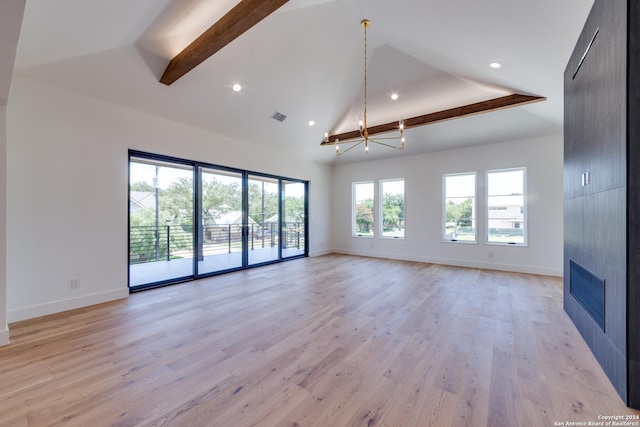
(519,245)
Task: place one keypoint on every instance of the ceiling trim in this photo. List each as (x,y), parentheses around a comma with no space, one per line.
(439,116)
(236,22)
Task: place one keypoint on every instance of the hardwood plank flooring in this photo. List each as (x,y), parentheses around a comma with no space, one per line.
(328,341)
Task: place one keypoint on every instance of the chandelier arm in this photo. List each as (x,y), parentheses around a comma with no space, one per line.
(385,144)
(351,147)
(386,138)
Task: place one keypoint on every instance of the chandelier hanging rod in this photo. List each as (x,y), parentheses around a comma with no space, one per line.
(362,135)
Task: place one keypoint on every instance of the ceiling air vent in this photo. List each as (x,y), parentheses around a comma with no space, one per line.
(278,116)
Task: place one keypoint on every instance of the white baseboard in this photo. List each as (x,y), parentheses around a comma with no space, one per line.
(4,336)
(65,305)
(543,271)
(320,253)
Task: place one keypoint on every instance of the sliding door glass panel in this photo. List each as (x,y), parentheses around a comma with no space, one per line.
(220,232)
(161,218)
(293,228)
(263,220)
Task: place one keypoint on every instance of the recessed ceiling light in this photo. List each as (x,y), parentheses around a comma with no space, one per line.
(312,122)
(236,87)
(495,65)
(394,96)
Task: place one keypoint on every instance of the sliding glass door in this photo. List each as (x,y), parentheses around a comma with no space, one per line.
(294,229)
(263,220)
(220,232)
(161,216)
(189,220)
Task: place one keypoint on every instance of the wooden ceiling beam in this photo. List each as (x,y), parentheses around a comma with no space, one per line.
(439,116)
(236,22)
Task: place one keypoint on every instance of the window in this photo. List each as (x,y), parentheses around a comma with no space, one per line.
(363,209)
(506,207)
(392,208)
(459,208)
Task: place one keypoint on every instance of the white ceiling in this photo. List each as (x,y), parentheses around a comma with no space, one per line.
(306,61)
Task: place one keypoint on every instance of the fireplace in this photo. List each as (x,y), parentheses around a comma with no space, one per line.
(588,290)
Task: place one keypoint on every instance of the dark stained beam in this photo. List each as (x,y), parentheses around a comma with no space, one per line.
(241,18)
(440,116)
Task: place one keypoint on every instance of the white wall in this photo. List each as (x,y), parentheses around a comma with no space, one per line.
(543,158)
(4,330)
(67,192)
(11,12)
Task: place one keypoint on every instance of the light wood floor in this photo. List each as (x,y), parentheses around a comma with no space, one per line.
(319,342)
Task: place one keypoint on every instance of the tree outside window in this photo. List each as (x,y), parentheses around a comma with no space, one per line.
(459,206)
(393,212)
(363,209)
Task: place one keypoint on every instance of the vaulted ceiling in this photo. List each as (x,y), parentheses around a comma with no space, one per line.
(306,61)
(10,20)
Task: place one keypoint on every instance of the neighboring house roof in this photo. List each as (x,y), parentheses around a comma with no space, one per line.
(142,200)
(233,217)
(274,218)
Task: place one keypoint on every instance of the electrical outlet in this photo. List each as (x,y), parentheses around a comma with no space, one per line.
(74,283)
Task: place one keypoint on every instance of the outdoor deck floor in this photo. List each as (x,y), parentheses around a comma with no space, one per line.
(157,271)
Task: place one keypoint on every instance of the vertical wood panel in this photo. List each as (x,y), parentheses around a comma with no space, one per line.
(596,214)
(633,220)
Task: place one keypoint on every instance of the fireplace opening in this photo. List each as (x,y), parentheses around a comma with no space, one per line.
(588,290)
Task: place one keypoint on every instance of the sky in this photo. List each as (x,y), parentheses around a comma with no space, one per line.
(366,191)
(142,172)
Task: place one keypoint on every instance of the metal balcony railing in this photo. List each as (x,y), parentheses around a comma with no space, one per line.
(163,243)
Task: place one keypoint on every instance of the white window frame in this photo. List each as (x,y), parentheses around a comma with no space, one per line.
(474,197)
(381,231)
(525,225)
(354,231)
